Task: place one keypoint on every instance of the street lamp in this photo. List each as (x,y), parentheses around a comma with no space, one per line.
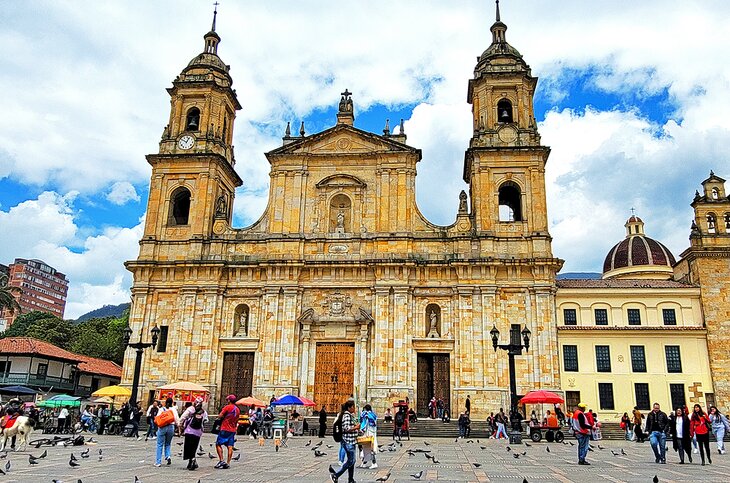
(140,347)
(514,348)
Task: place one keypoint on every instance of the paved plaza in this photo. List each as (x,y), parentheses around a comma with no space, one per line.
(123,459)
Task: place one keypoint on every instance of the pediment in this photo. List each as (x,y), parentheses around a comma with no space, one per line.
(343,139)
(341,181)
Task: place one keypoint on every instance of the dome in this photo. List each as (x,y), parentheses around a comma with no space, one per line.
(638,256)
(207,60)
(499,49)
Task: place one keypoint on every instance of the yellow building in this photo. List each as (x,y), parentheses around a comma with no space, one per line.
(342,287)
(634,337)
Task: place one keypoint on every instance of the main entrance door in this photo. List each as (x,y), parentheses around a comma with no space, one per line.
(433,380)
(237,374)
(334,375)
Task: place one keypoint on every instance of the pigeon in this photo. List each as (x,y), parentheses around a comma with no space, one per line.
(411,453)
(482,447)
(623,452)
(384,478)
(211,456)
(456,440)
(477,465)
(427,443)
(7,466)
(524,453)
(547,448)
(136,479)
(318,453)
(2,472)
(200,448)
(73,463)
(85,452)
(237,457)
(180,443)
(435,461)
(528,444)
(329,446)
(428,456)
(655,479)
(600,447)
(571,443)
(515,455)
(590,446)
(90,440)
(308,443)
(509,449)
(614,453)
(73,458)
(418,475)
(3,455)
(470,441)
(318,444)
(200,453)
(100,451)
(478,441)
(590,449)
(43,455)
(32,460)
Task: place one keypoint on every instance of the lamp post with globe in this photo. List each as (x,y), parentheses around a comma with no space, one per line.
(139,347)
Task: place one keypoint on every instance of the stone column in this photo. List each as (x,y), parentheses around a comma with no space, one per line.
(362,381)
(379,365)
(304,360)
(267,331)
(399,353)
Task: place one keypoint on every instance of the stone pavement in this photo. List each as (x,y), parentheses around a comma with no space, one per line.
(123,459)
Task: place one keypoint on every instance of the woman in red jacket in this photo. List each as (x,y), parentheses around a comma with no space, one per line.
(699,427)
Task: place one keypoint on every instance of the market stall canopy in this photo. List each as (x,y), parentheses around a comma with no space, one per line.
(17,390)
(291,400)
(540,397)
(103,400)
(112,391)
(60,400)
(183,386)
(251,401)
(307,402)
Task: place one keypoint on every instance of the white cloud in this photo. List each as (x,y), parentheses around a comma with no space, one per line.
(45,228)
(122,192)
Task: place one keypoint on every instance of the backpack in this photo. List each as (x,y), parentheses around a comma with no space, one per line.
(337,429)
(400,418)
(196,422)
(165,418)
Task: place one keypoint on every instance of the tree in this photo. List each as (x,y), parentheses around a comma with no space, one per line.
(102,338)
(8,300)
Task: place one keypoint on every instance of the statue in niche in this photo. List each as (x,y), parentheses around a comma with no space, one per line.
(340,223)
(462,202)
(433,325)
(242,323)
(221,207)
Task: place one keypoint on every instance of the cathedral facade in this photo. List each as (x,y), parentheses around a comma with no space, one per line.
(343,288)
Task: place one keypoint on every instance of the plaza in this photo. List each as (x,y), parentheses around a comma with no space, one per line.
(123,459)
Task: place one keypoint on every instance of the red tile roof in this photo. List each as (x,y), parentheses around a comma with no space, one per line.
(35,347)
(619,283)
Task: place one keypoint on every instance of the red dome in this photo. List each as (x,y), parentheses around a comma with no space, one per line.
(638,250)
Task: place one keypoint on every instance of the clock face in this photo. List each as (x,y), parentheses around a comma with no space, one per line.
(186,142)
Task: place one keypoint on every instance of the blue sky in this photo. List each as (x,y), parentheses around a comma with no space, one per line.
(633,100)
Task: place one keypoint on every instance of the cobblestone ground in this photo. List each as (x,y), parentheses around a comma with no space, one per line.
(123,459)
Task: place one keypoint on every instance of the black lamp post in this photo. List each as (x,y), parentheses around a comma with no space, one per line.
(140,347)
(514,348)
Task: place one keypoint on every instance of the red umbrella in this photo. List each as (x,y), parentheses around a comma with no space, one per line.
(307,402)
(541,396)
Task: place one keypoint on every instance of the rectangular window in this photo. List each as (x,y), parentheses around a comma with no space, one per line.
(638,358)
(601,316)
(676,392)
(605,395)
(641,390)
(162,341)
(674,360)
(570,358)
(5,367)
(669,316)
(42,370)
(634,316)
(603,358)
(570,317)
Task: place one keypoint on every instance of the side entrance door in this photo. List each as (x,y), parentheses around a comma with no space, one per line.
(237,374)
(433,379)
(334,375)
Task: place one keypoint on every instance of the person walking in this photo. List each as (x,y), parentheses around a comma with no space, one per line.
(62,415)
(166,420)
(657,426)
(227,434)
(151,427)
(369,429)
(699,427)
(501,420)
(582,431)
(349,439)
(626,426)
(639,435)
(720,424)
(191,427)
(135,417)
(322,422)
(468,405)
(681,440)
(463,423)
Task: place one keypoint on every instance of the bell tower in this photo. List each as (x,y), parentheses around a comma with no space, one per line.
(193,176)
(505,163)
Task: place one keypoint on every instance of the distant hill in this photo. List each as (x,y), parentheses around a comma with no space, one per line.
(105,311)
(574,275)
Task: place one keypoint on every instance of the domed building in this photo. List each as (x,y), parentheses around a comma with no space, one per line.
(636,335)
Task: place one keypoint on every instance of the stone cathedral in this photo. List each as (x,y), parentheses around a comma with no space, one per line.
(342,287)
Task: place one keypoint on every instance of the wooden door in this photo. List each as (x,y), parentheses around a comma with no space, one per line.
(334,375)
(237,374)
(441,379)
(424,383)
(572,398)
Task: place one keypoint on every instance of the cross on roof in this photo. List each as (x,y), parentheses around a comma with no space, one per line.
(633,211)
(346,93)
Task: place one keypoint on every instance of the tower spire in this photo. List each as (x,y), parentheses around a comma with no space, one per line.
(215,13)
(498,11)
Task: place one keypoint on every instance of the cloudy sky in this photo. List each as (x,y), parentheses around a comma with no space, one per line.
(633,99)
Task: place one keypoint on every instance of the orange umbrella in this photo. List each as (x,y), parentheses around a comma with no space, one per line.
(251,401)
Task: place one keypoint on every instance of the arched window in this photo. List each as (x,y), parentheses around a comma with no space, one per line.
(179,207)
(510,207)
(727,222)
(340,214)
(504,111)
(715,193)
(711,223)
(241,318)
(192,120)
(433,321)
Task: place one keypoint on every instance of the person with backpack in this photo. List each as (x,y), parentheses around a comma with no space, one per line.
(345,431)
(151,413)
(227,434)
(399,422)
(166,420)
(191,427)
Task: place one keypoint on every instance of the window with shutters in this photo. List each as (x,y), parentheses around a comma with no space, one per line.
(674,359)
(638,358)
(603,358)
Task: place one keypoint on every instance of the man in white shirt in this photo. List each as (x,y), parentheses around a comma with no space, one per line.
(62,415)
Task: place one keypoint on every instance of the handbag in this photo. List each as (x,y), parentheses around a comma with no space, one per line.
(164,418)
(216,426)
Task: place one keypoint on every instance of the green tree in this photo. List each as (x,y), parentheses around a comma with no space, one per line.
(8,295)
(42,326)
(102,338)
